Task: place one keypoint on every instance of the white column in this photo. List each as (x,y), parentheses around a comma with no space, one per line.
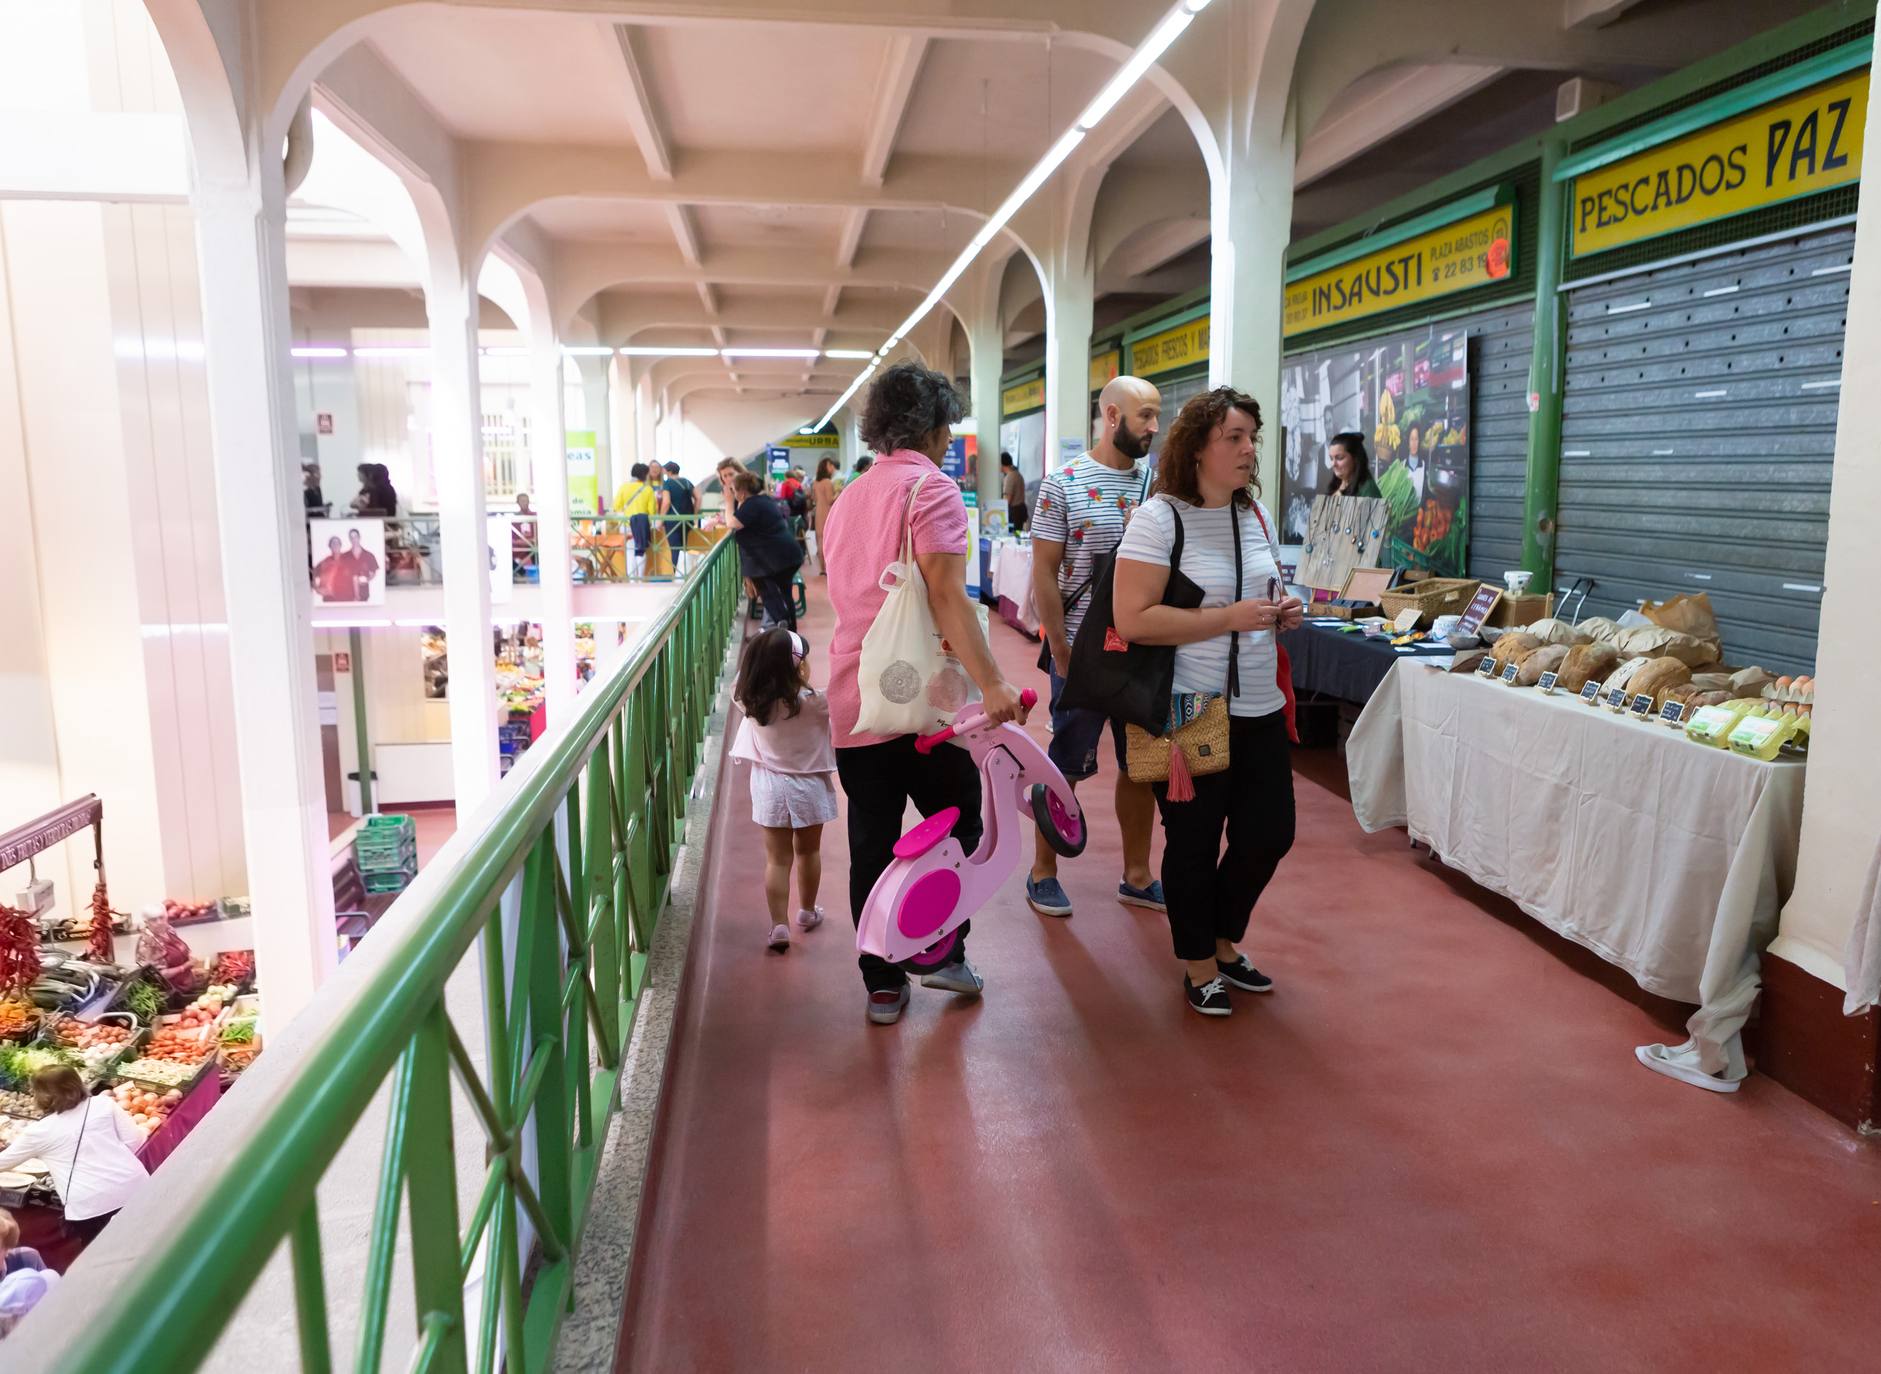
(554,560)
(1068,313)
(241,246)
(641,417)
(986,357)
(451,305)
(1251,209)
(623,440)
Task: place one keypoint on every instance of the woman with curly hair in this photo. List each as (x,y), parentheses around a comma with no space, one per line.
(1203,517)
(908,420)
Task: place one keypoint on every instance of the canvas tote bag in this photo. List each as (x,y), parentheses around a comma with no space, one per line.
(908,680)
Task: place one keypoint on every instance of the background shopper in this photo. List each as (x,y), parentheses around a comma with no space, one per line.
(823,496)
(637,501)
(908,420)
(1014,492)
(767,552)
(1205,482)
(87,1142)
(785,738)
(1082,511)
(677,497)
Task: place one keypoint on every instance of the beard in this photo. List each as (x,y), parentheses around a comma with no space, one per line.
(1128,442)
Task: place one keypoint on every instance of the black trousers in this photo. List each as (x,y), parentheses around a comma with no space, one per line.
(880,780)
(774,589)
(1211,892)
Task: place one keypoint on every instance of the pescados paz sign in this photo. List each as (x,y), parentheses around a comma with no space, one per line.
(1805,143)
(1464,254)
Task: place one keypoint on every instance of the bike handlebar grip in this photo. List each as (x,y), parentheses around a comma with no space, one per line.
(1028,698)
(925,744)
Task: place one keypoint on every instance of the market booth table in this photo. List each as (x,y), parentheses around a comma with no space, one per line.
(1012,584)
(1665,857)
(1346,664)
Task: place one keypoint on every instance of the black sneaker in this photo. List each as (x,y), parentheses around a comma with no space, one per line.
(1211,999)
(1244,975)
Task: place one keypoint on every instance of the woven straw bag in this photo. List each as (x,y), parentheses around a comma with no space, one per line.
(1192,750)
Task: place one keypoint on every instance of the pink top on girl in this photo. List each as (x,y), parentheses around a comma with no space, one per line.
(798,744)
(863,538)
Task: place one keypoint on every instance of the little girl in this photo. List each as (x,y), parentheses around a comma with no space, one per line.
(786,740)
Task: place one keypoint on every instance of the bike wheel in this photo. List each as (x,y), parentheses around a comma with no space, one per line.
(1064,830)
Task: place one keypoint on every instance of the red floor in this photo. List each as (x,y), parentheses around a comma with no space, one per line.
(1430,1149)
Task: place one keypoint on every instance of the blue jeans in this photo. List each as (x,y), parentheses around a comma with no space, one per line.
(1076,735)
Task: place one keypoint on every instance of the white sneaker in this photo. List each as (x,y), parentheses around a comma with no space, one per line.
(780,937)
(810,918)
(961,978)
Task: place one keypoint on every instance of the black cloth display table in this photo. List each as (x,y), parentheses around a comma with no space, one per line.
(1344,664)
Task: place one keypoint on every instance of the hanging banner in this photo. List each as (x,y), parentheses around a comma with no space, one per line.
(1105,367)
(1025,396)
(1182,346)
(1457,257)
(583,489)
(811,441)
(1795,147)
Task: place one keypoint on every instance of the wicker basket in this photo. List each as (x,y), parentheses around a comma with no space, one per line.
(1432,597)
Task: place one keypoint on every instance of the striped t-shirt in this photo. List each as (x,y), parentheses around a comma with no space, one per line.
(1085,506)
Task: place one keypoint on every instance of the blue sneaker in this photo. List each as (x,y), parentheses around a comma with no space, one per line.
(1047,897)
(1149,898)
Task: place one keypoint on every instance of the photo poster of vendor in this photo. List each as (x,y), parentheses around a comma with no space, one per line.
(1419,424)
(1322,395)
(348,561)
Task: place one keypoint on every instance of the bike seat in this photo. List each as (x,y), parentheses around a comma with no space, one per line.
(927,834)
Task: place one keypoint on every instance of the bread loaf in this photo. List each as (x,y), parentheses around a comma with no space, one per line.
(1656,641)
(1469,662)
(1658,677)
(1711,682)
(1697,701)
(1547,659)
(1510,645)
(1622,676)
(1599,629)
(1748,682)
(1586,663)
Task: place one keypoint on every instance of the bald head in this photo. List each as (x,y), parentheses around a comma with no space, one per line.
(1130,411)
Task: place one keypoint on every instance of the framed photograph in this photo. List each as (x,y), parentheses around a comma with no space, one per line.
(348,561)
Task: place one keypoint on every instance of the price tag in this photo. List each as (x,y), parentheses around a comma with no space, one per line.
(1642,705)
(1616,699)
(1547,683)
(1673,713)
(1508,674)
(1487,668)
(1590,693)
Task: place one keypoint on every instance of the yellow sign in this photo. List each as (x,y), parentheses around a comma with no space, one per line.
(1808,142)
(1105,367)
(1025,396)
(1173,348)
(810,441)
(1458,256)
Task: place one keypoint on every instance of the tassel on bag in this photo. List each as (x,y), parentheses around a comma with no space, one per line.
(1181,781)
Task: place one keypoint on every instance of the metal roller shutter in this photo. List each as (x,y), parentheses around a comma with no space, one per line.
(1698,434)
(1500,343)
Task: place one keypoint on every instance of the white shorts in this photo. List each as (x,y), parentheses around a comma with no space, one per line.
(791,801)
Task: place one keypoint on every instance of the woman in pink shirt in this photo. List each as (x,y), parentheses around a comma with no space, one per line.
(909,421)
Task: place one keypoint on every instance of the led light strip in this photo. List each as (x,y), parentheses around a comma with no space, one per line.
(1101,105)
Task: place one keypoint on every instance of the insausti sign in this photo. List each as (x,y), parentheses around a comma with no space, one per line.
(1804,143)
(1468,252)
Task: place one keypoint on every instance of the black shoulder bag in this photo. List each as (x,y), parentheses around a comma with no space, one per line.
(1125,681)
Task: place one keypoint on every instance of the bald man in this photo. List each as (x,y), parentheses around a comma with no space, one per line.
(1081,511)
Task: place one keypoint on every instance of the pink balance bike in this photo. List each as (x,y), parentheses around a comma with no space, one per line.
(933,886)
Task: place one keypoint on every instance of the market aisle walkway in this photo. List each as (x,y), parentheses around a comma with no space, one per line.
(1429,1149)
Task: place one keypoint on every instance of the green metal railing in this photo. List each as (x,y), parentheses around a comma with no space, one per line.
(583,848)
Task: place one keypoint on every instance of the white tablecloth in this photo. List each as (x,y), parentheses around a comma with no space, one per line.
(1665,857)
(1012,583)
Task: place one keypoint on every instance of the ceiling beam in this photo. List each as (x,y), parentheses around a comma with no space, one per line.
(849,236)
(901,67)
(684,233)
(1382,106)
(649,133)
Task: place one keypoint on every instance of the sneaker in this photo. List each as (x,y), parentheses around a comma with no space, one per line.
(962,978)
(780,937)
(810,918)
(1047,896)
(1149,898)
(1244,975)
(1211,999)
(885,1007)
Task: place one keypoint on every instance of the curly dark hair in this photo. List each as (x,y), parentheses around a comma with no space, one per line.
(826,468)
(1184,440)
(906,405)
(768,677)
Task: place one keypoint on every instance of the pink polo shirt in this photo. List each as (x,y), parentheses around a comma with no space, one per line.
(864,537)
